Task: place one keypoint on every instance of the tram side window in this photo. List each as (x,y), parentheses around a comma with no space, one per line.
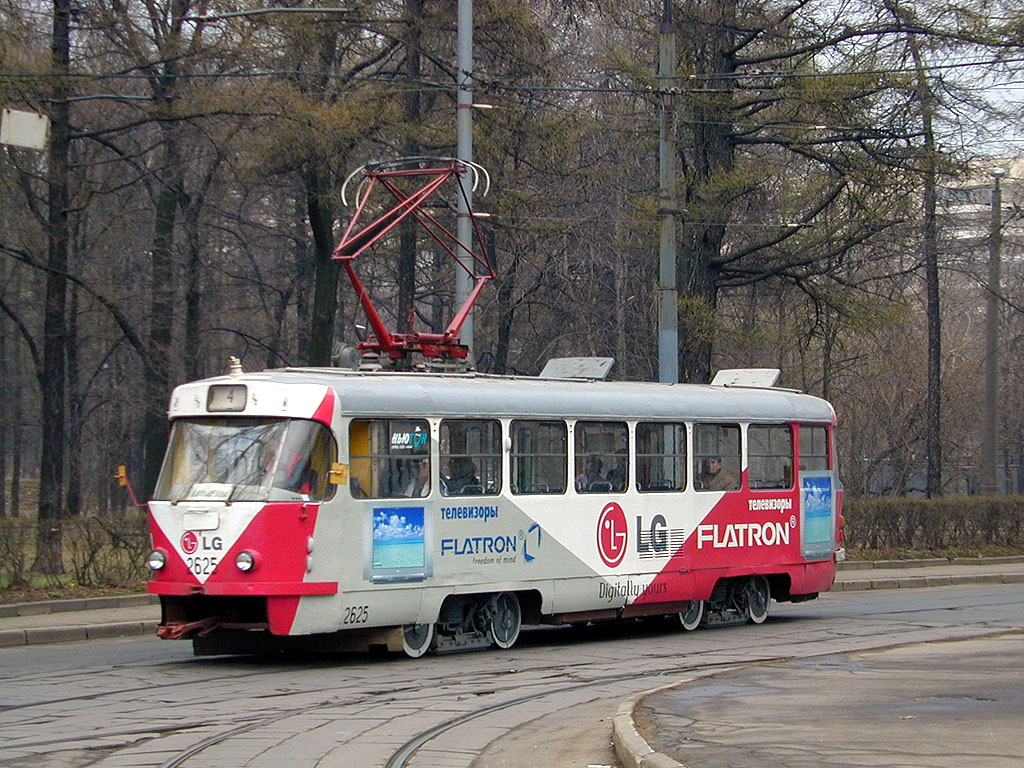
(602,456)
(813,447)
(390,458)
(306,457)
(717,456)
(660,457)
(770,456)
(539,456)
(470,457)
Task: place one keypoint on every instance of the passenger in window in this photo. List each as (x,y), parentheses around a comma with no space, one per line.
(591,474)
(463,479)
(300,477)
(617,475)
(715,478)
(419,486)
(357,488)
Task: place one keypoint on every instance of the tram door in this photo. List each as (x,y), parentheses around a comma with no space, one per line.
(819,488)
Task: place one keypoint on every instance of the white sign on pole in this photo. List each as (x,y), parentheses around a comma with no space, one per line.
(24,129)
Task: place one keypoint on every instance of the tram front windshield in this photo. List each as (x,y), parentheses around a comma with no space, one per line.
(245,459)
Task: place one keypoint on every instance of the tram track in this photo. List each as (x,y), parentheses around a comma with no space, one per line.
(482,684)
(400,758)
(404,755)
(4,708)
(430,693)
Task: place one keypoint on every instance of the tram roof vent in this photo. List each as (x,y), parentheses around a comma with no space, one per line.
(577,368)
(747,377)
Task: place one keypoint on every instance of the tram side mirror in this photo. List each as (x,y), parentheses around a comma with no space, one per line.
(338,474)
(121,475)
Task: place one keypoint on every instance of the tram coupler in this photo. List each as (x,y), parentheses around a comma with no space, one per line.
(175,630)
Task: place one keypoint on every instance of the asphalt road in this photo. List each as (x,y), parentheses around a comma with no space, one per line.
(549,701)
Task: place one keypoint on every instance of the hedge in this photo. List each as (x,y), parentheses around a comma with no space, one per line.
(110,549)
(948,523)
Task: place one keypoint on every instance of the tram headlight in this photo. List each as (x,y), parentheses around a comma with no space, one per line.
(157,559)
(245,561)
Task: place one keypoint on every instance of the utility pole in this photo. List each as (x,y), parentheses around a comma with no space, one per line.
(990,436)
(668,301)
(464,152)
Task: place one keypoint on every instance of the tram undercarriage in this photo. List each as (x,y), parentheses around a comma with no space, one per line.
(220,625)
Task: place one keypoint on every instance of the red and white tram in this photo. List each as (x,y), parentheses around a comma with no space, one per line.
(334,509)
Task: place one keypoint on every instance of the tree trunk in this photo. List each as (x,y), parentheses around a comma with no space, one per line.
(316,179)
(325,270)
(76,402)
(412,102)
(51,378)
(711,157)
(17,407)
(303,277)
(168,199)
(193,297)
(158,368)
(933,309)
(505,302)
(439,263)
(16,468)
(697,305)
(5,427)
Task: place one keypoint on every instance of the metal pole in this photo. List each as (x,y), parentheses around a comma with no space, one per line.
(990,436)
(668,332)
(464,151)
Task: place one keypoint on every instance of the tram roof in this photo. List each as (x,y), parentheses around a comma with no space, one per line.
(473,394)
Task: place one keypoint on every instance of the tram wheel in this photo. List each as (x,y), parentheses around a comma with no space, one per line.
(757,595)
(693,616)
(416,639)
(506,620)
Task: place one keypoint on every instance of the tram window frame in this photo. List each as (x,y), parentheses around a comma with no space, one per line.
(673,462)
(528,464)
(710,443)
(816,458)
(388,469)
(242,458)
(480,443)
(607,444)
(770,457)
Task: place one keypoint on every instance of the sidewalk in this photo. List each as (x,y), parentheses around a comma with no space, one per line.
(940,572)
(119,616)
(87,618)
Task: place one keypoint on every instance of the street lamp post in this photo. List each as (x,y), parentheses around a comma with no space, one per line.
(668,294)
(464,152)
(990,436)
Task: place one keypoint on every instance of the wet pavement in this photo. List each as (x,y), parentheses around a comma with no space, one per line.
(926,705)
(897,707)
(894,707)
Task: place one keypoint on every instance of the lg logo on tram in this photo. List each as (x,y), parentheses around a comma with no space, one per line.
(191,543)
(612,534)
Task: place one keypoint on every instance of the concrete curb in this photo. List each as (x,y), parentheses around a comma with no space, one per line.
(907,582)
(866,565)
(43,607)
(631,748)
(10,638)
